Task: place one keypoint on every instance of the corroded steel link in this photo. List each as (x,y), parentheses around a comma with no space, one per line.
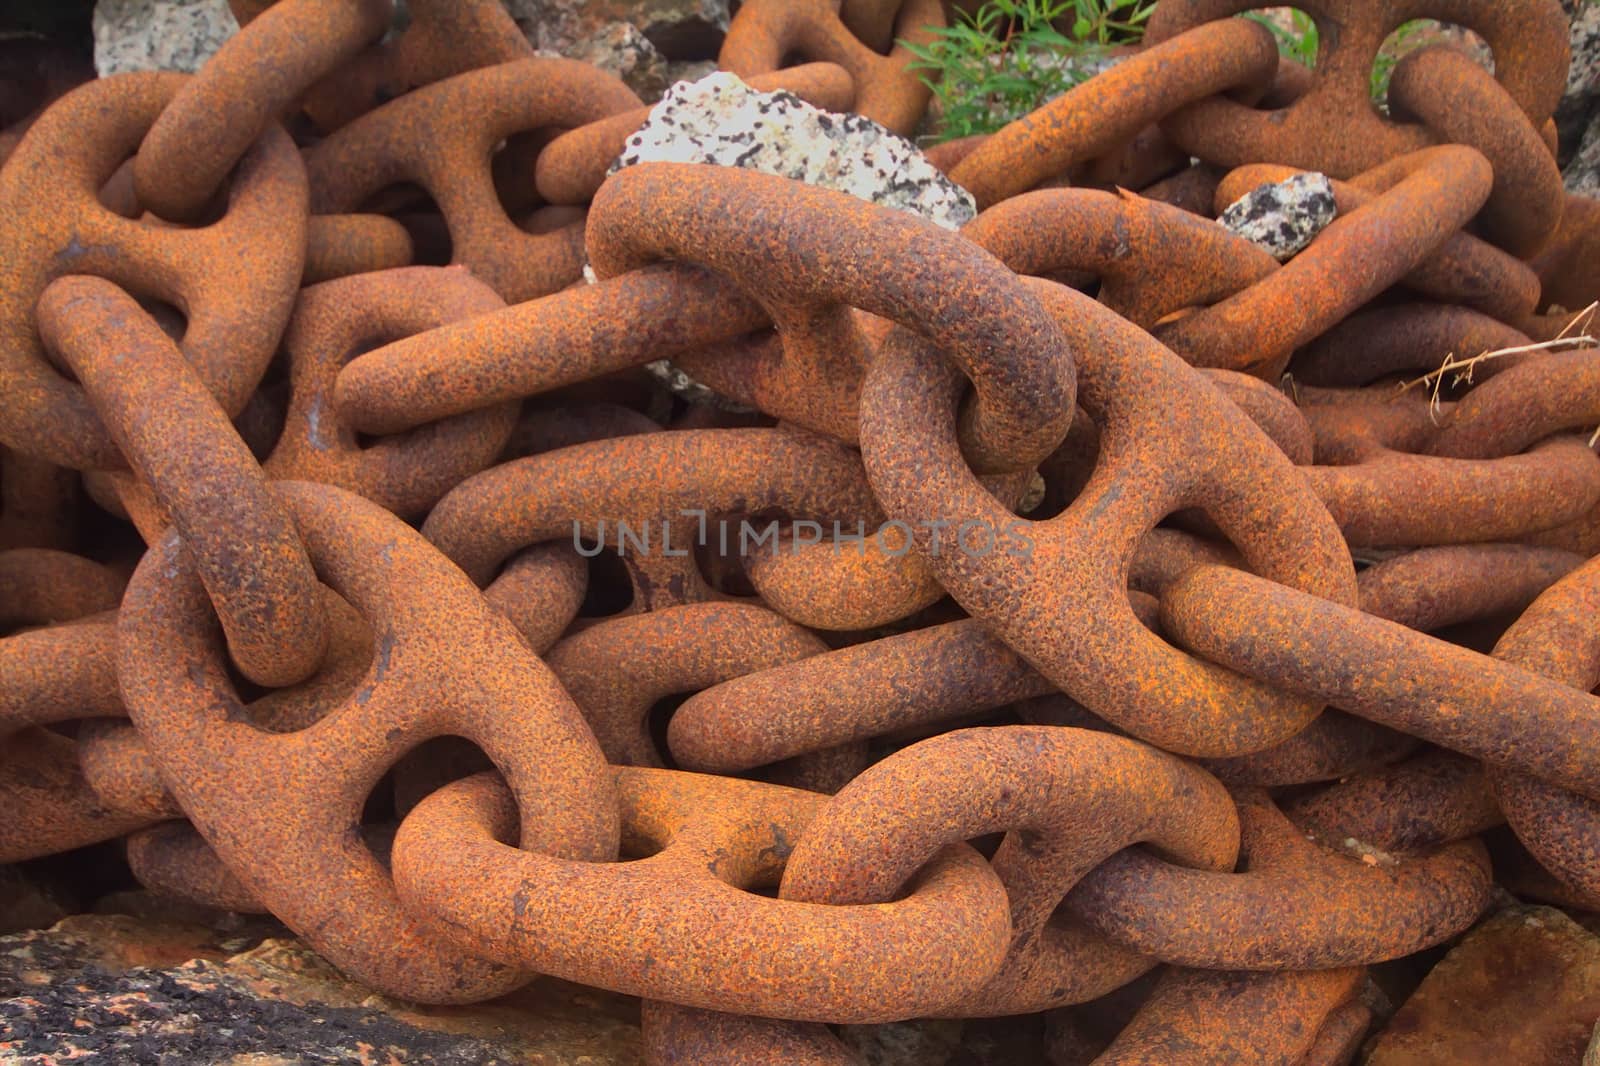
(173,860)
(1334,746)
(441,38)
(617,670)
(764,33)
(1385,672)
(1067,800)
(256,76)
(1431,588)
(636,486)
(179,441)
(846,583)
(572,167)
(1151,258)
(52,181)
(1529,39)
(533,347)
(1272,412)
(1411,337)
(1424,802)
(1564,266)
(1107,111)
(695,933)
(118,766)
(281,809)
(54,674)
(1382,494)
(58,673)
(1556,638)
(1462,269)
(38,503)
(1198,1017)
(821,252)
(1192,189)
(1064,606)
(49,806)
(422,138)
(340,245)
(41,586)
(1354,259)
(866,690)
(408,473)
(1296,906)
(1520,406)
(676,1034)
(1461,102)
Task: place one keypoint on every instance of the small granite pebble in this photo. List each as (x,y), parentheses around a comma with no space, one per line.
(159,34)
(1283,217)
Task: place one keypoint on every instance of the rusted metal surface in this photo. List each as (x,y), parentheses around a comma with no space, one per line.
(983,619)
(764,33)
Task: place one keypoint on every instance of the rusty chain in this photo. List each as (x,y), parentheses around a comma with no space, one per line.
(1078,593)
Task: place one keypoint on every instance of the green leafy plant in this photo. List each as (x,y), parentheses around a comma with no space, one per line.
(1298,41)
(1009,57)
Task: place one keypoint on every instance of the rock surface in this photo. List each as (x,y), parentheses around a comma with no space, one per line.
(113,989)
(1283,217)
(159,34)
(1523,987)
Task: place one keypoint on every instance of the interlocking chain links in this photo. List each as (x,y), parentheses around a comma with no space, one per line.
(617,669)
(406,473)
(908,680)
(1461,102)
(1405,338)
(59,673)
(1382,492)
(1562,269)
(281,809)
(256,76)
(764,33)
(682,924)
(1550,393)
(179,442)
(1443,693)
(1432,799)
(638,485)
(575,335)
(1067,799)
(1306,1018)
(1425,198)
(1461,270)
(1431,588)
(1528,37)
(1152,259)
(234,279)
(340,245)
(821,253)
(572,167)
(1065,607)
(422,138)
(1106,112)
(173,860)
(1556,638)
(442,38)
(1296,905)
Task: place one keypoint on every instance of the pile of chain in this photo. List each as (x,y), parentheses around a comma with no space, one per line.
(1012,647)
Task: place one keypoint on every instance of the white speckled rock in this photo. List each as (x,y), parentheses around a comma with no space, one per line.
(719,119)
(1283,217)
(159,34)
